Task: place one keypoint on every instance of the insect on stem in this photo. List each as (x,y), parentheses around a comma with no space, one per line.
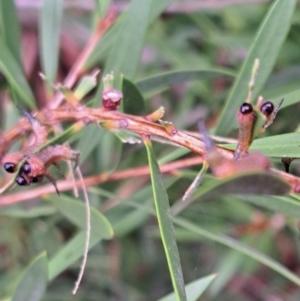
(32,163)
(246,117)
(273,115)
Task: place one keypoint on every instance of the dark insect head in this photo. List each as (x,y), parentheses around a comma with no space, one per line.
(9,167)
(10,161)
(22,181)
(246,108)
(267,108)
(26,168)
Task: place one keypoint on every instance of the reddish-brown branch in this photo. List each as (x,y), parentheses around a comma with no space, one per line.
(66,185)
(115,119)
(141,125)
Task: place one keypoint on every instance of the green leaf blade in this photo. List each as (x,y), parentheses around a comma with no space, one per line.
(166,227)
(73,249)
(49,36)
(126,52)
(280,146)
(109,39)
(75,211)
(33,283)
(166,79)
(15,76)
(254,183)
(194,290)
(10,29)
(234,244)
(69,253)
(133,100)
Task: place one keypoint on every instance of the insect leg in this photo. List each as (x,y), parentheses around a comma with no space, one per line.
(52,180)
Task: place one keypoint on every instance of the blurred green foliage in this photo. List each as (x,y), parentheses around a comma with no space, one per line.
(197,64)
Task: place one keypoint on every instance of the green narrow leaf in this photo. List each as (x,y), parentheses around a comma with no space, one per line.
(33,283)
(234,244)
(194,289)
(64,136)
(49,36)
(290,98)
(165,80)
(247,183)
(69,253)
(109,152)
(15,76)
(107,41)
(75,211)
(226,241)
(91,136)
(133,100)
(165,223)
(250,183)
(126,53)
(85,85)
(28,213)
(265,47)
(283,204)
(229,265)
(284,145)
(10,29)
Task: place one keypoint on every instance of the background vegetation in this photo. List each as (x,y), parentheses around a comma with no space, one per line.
(194,58)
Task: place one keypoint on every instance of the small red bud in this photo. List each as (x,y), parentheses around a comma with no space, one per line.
(111,99)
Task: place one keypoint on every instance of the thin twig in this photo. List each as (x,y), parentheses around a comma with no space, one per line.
(65,185)
(137,124)
(88,232)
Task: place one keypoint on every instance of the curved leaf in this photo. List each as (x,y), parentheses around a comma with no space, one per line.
(75,211)
(194,289)
(33,283)
(69,253)
(133,100)
(15,76)
(28,213)
(246,183)
(290,98)
(234,244)
(285,145)
(165,80)
(283,204)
